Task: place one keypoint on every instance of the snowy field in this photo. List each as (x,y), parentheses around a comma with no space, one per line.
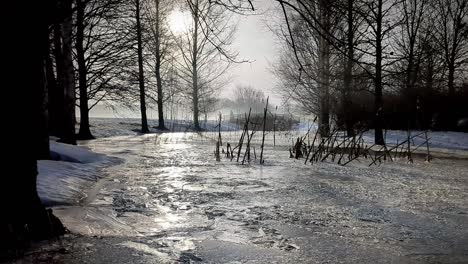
(169,201)
(107,127)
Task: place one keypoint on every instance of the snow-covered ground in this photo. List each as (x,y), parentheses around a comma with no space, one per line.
(440,140)
(437,139)
(109,127)
(64,179)
(170,201)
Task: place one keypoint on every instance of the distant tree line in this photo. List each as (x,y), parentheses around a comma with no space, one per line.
(388,64)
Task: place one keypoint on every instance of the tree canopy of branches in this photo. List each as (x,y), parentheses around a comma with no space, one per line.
(101,51)
(203,56)
(159,56)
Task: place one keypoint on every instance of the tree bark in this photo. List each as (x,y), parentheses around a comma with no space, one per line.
(43,151)
(141,78)
(324,71)
(84,132)
(69,134)
(24,217)
(378,101)
(56,92)
(348,71)
(196,122)
(451,78)
(161,124)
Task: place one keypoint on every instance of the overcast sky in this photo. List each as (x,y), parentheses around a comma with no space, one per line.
(256,43)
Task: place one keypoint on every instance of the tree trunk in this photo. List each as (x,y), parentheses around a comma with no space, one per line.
(410,93)
(51,89)
(348,71)
(69,134)
(42,130)
(324,71)
(263,134)
(196,123)
(429,76)
(141,79)
(24,217)
(85,132)
(378,102)
(451,78)
(161,124)
(56,92)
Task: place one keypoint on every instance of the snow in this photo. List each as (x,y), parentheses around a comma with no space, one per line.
(71,153)
(441,140)
(62,181)
(110,127)
(437,139)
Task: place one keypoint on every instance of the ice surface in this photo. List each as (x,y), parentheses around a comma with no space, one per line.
(171,202)
(178,204)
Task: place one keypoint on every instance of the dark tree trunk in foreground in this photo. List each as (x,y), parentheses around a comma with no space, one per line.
(85,132)
(144,121)
(23,216)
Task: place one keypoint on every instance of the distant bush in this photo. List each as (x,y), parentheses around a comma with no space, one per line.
(435,111)
(279,123)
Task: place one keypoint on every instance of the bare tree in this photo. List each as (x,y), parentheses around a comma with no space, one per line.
(68,75)
(352,34)
(141,78)
(55,87)
(380,17)
(99,49)
(160,53)
(451,32)
(409,42)
(309,68)
(84,132)
(203,56)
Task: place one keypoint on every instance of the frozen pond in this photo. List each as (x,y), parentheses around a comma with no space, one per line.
(170,201)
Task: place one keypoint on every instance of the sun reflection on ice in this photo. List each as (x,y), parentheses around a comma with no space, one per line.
(167,219)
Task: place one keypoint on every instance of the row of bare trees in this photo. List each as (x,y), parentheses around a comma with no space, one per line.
(337,50)
(125,51)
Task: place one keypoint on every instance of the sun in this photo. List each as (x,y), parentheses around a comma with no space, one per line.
(179,21)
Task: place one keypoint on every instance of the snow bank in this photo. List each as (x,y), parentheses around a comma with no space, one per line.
(443,140)
(437,139)
(62,181)
(71,153)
